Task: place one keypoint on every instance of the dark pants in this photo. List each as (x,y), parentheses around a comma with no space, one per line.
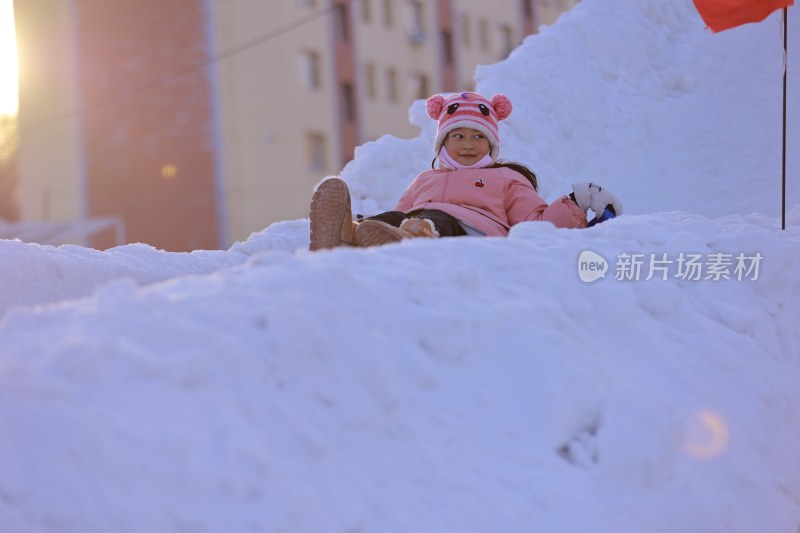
(447,225)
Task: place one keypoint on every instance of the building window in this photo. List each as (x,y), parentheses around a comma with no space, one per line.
(366,11)
(315,146)
(483,34)
(342,23)
(312,70)
(420,86)
(370,82)
(447,47)
(507,38)
(391,85)
(348,102)
(466,34)
(527,8)
(388,16)
(416,27)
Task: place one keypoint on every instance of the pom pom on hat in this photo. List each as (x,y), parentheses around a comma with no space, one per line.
(434,105)
(469,110)
(502,106)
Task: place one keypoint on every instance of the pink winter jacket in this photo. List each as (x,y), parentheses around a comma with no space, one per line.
(489,199)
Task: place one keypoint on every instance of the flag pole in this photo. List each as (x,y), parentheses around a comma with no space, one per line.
(783,169)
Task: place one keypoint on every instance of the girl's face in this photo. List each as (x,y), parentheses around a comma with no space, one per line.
(467,146)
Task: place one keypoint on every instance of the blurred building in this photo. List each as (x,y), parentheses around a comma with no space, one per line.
(197,122)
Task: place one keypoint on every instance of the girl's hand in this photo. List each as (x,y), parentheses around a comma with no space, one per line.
(594,197)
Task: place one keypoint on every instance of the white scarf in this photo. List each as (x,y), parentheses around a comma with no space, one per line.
(446,161)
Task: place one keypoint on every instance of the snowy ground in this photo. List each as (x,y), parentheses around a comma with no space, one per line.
(454,385)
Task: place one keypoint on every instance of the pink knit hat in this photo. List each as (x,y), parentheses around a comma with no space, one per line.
(469,110)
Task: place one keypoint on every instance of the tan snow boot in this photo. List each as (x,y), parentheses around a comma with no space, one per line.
(376,233)
(331,219)
(419,227)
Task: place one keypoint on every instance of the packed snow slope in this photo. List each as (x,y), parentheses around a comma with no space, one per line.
(472,384)
(637,95)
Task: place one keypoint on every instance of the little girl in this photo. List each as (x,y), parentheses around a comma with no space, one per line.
(471,193)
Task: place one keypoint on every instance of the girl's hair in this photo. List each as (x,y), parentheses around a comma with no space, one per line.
(522,169)
(516,167)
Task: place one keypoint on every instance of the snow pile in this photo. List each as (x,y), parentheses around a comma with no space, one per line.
(472,384)
(636,95)
(362,390)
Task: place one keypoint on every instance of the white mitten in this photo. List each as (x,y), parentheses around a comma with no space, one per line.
(594,197)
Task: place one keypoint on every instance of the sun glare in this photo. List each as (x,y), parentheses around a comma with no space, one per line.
(9,78)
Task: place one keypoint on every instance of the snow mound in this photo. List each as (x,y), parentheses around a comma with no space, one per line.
(471,384)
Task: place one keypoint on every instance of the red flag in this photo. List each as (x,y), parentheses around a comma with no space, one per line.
(726,14)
